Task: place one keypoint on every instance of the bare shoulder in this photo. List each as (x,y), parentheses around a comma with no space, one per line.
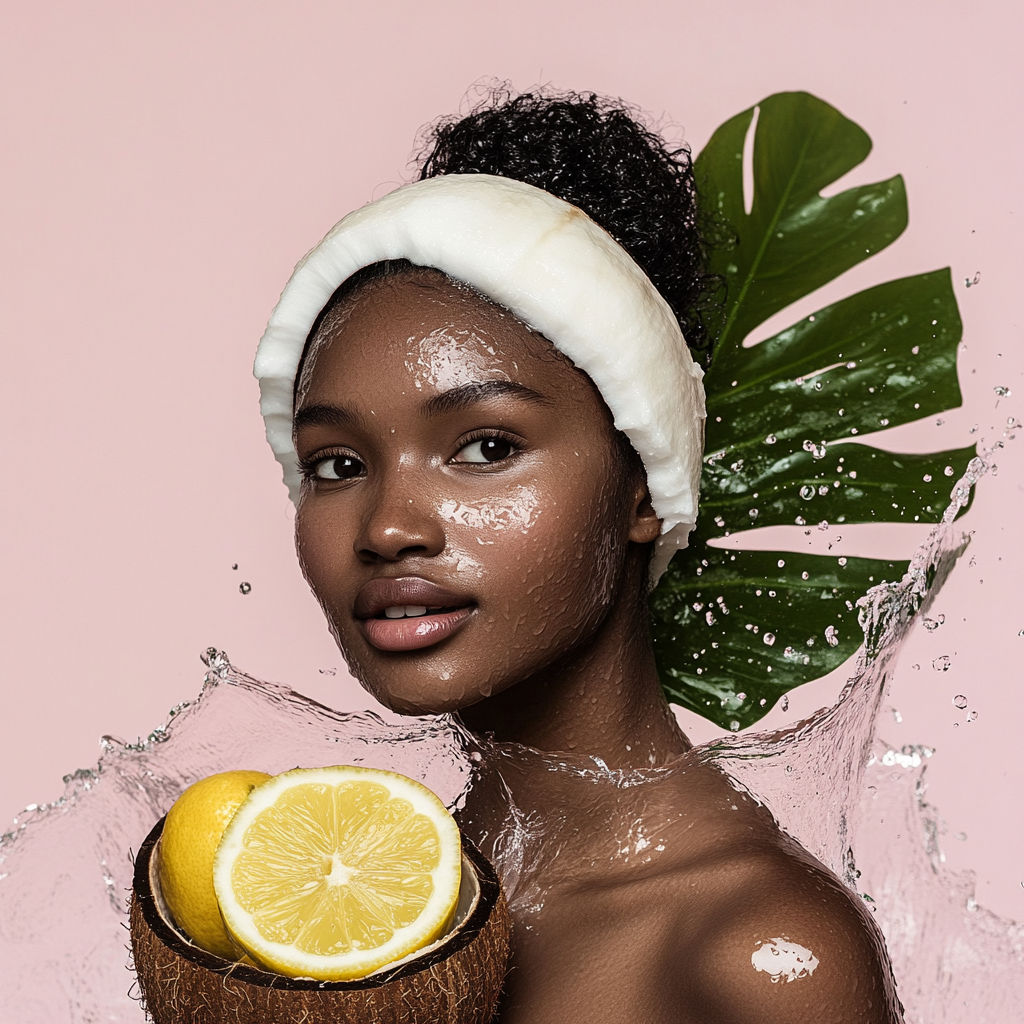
(773,936)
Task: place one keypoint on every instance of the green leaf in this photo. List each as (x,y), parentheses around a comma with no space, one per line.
(782,414)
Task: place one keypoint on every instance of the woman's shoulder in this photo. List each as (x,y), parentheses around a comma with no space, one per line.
(759,928)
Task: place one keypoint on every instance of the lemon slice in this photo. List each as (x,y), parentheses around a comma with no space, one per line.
(333,873)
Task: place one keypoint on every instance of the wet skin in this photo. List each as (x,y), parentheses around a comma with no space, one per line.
(455,464)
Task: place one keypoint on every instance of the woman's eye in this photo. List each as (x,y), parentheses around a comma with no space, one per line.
(487,449)
(338,467)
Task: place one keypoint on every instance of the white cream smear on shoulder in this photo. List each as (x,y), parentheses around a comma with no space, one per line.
(783,960)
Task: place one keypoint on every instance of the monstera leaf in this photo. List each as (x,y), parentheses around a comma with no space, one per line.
(734,630)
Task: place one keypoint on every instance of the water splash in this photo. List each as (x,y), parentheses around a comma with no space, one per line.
(65,867)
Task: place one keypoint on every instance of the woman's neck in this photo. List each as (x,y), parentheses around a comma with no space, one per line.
(605,701)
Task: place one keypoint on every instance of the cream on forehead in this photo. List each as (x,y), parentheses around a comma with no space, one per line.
(555,269)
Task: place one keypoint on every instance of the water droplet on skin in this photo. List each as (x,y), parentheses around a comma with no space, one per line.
(769,639)
(1002,391)
(823,525)
(770,439)
(973,716)
(235,566)
(942,663)
(933,624)
(245,588)
(960,701)
(784,704)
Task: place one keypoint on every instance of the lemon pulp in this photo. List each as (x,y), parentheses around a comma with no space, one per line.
(332,873)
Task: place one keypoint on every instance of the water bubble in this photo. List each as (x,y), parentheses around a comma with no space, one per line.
(973,716)
(734,726)
(831,636)
(942,663)
(852,474)
(807,492)
(770,439)
(752,513)
(939,422)
(933,624)
(916,349)
(782,562)
(960,701)
(897,717)
(842,561)
(851,365)
(970,282)
(927,478)
(235,566)
(817,385)
(710,619)
(245,588)
(1002,391)
(823,489)
(769,639)
(328,671)
(800,521)
(884,421)
(823,525)
(948,471)
(818,451)
(805,575)
(719,521)
(810,641)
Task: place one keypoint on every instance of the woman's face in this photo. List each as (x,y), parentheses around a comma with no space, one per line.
(466,517)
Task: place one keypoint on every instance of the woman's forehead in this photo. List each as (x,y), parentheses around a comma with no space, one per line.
(432,334)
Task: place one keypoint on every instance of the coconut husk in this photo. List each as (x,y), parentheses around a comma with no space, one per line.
(455,981)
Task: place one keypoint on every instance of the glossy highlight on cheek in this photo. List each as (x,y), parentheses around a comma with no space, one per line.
(518,512)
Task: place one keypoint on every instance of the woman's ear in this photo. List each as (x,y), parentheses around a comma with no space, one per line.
(645,526)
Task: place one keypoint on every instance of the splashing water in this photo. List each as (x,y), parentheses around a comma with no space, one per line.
(65,867)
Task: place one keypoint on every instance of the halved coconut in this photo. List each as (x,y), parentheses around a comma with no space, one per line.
(456,980)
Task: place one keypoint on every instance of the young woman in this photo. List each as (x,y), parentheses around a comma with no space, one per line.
(481,395)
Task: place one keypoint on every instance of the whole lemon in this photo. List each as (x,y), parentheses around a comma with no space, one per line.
(193,829)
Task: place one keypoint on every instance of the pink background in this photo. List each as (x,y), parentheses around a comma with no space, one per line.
(164,165)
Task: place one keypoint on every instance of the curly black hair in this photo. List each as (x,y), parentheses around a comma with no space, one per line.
(598,154)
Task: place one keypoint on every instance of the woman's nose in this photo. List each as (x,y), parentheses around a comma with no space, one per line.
(398,523)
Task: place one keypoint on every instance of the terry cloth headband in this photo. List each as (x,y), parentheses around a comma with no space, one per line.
(555,269)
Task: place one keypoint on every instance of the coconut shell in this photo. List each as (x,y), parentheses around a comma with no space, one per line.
(456,981)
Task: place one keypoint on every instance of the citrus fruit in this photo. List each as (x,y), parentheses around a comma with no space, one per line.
(332,873)
(194,826)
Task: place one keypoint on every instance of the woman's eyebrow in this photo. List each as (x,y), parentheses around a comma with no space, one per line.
(325,415)
(479,391)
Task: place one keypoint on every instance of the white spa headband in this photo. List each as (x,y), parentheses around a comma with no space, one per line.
(555,269)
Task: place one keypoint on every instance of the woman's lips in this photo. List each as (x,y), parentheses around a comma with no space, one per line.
(411,634)
(409,612)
